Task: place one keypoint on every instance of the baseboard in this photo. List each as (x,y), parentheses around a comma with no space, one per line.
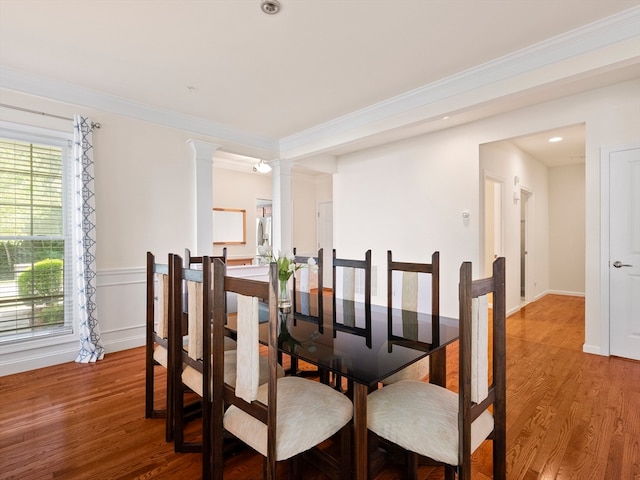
(563,292)
(48,355)
(593,349)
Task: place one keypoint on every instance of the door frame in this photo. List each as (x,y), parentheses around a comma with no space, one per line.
(605,187)
(487,175)
(527,199)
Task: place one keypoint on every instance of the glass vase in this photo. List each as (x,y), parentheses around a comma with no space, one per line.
(284,296)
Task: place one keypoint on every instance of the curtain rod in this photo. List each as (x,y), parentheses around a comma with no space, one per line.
(93,124)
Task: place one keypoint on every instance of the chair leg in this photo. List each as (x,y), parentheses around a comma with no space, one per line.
(271,469)
(295,468)
(412,465)
(449,472)
(170,409)
(499,458)
(148,392)
(464,470)
(345,453)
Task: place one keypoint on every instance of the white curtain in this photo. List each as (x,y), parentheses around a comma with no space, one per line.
(84,242)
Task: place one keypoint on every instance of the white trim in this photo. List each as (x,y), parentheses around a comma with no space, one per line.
(110,277)
(75,94)
(471,87)
(604,253)
(42,352)
(29,133)
(593,349)
(617,28)
(605,321)
(562,292)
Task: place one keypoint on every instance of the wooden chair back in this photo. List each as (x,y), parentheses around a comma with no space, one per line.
(306,281)
(192,306)
(477,390)
(157,339)
(412,288)
(250,292)
(189,260)
(348,274)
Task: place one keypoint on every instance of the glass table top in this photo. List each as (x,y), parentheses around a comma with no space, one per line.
(365,344)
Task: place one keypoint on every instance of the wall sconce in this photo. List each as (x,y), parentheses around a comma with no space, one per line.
(262,167)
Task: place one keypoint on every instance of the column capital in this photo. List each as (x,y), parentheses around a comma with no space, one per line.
(281,166)
(202,150)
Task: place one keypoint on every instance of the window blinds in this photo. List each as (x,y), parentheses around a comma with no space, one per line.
(32,241)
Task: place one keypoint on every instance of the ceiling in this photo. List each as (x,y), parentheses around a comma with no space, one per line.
(271,77)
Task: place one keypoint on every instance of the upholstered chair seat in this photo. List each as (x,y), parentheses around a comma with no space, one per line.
(303,413)
(423,418)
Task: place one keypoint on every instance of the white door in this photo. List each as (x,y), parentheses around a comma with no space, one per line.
(624,253)
(325,240)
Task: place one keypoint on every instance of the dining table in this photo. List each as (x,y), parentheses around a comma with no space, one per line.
(365,343)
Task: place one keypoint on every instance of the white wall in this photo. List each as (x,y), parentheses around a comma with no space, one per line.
(303,192)
(145,201)
(567,230)
(239,190)
(407,196)
(427,181)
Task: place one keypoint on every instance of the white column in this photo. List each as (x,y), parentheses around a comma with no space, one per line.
(203,157)
(282,206)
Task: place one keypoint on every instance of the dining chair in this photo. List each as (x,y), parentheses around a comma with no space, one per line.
(308,303)
(352,295)
(193,262)
(431,421)
(157,341)
(307,281)
(411,288)
(284,417)
(194,287)
(190,260)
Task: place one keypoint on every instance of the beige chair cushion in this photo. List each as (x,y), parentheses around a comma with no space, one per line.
(479,349)
(248,348)
(423,418)
(192,378)
(416,371)
(308,413)
(160,355)
(160,309)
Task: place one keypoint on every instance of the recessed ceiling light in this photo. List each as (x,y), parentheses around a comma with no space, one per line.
(270,7)
(444,118)
(555,139)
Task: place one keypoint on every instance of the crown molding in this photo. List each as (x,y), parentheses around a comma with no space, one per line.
(618,29)
(525,69)
(65,92)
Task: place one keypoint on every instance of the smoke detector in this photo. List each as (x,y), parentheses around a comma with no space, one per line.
(270,7)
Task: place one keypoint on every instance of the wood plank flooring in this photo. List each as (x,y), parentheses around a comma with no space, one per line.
(570,415)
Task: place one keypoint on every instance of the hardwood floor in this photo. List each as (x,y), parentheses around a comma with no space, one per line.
(569,414)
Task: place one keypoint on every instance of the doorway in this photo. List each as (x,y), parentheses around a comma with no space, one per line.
(525,245)
(493,221)
(325,240)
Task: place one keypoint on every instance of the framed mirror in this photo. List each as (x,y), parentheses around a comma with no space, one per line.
(229,226)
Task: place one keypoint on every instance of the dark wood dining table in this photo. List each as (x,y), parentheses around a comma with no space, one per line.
(365,344)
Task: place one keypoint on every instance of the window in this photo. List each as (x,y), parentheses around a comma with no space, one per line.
(35,266)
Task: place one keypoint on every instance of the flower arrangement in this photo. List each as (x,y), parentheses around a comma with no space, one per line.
(287,266)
